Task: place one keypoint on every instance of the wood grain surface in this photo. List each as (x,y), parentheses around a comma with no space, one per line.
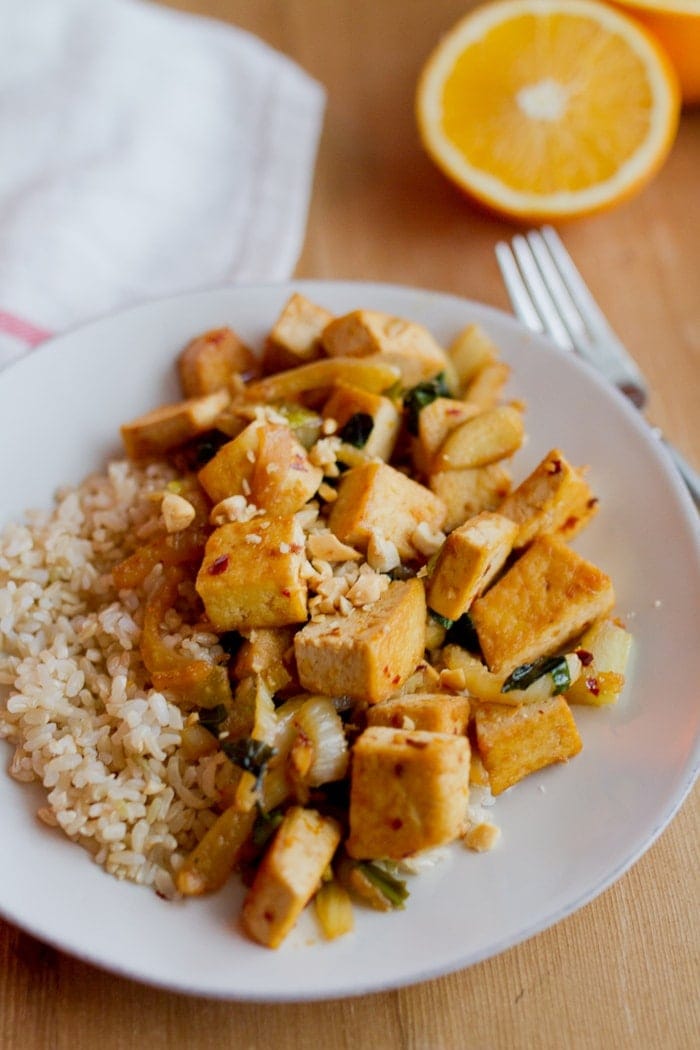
(623,972)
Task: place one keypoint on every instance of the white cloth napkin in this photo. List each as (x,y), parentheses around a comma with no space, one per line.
(143,152)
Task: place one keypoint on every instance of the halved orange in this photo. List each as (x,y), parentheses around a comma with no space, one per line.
(548,109)
(676,23)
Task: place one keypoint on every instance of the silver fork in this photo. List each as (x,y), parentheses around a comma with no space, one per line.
(549,295)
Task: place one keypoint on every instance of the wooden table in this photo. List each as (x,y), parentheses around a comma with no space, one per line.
(623,971)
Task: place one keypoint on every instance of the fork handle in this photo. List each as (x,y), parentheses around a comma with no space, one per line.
(689,475)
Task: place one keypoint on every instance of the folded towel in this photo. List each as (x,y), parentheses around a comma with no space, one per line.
(144,153)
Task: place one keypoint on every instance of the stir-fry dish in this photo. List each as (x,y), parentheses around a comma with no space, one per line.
(309,611)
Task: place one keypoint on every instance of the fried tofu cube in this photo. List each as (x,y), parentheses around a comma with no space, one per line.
(170,426)
(432,712)
(295,338)
(208,362)
(289,874)
(347,401)
(409,792)
(251,574)
(468,492)
(468,560)
(229,472)
(555,497)
(283,478)
(267,464)
(435,421)
(484,438)
(516,741)
(375,498)
(368,653)
(470,352)
(405,343)
(547,597)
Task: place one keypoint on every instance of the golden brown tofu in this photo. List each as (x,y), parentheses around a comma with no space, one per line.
(468,492)
(468,561)
(251,574)
(283,478)
(516,741)
(347,401)
(409,791)
(408,345)
(377,498)
(289,874)
(229,472)
(208,362)
(170,426)
(295,338)
(545,599)
(555,497)
(368,653)
(493,434)
(433,712)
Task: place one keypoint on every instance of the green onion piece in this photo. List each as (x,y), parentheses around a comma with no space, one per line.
(402,572)
(357,429)
(212,717)
(463,633)
(526,674)
(442,620)
(421,395)
(265,826)
(250,755)
(393,889)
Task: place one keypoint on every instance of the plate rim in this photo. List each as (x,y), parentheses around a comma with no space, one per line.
(525,931)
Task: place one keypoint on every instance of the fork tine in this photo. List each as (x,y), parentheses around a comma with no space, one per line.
(517,292)
(540,293)
(577,289)
(567,309)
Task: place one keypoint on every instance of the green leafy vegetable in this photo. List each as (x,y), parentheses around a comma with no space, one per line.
(421,395)
(357,429)
(212,717)
(526,674)
(249,754)
(265,826)
(390,887)
(463,633)
(460,632)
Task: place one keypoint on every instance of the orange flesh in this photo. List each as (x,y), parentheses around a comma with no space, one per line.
(594,103)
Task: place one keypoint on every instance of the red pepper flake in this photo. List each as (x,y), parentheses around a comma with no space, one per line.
(219,565)
(570,523)
(386,671)
(396,679)
(592,686)
(593,502)
(554,466)
(395,823)
(296,548)
(286,592)
(584,656)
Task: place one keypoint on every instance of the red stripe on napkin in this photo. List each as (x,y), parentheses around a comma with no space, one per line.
(21,329)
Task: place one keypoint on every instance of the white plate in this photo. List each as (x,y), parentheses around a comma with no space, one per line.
(568,832)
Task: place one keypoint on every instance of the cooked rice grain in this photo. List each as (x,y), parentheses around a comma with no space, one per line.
(73,697)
